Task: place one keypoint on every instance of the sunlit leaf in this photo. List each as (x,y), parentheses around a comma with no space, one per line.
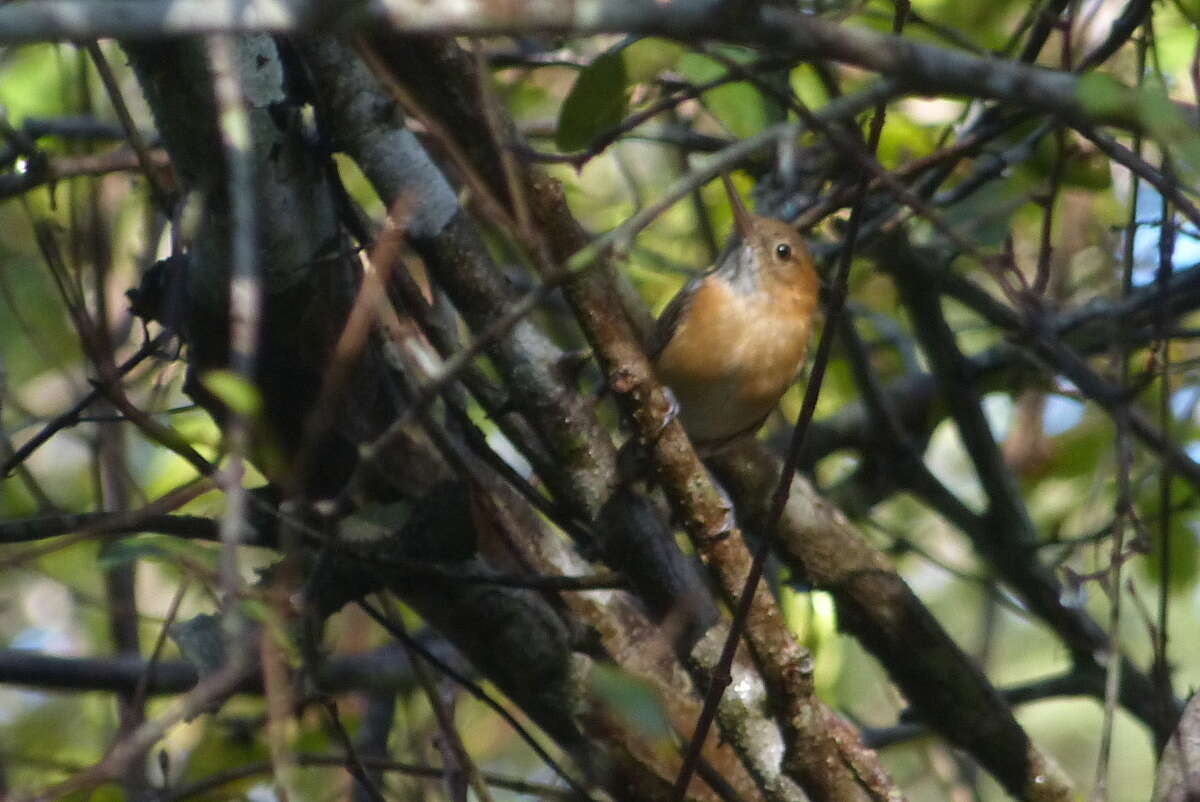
(738,105)
(32,83)
(219,748)
(1190,9)
(234,391)
(646,58)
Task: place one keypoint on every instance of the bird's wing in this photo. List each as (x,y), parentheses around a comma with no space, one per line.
(668,321)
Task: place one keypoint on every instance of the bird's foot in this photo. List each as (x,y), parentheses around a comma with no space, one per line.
(670,415)
(728,522)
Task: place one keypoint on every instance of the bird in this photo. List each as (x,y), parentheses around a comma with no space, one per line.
(731,342)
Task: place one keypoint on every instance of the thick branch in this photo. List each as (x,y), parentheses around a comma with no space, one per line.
(1004,535)
(386,669)
(877,607)
(925,68)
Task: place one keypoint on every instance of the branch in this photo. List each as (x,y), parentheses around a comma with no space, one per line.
(1005,535)
(1087,330)
(944,685)
(925,68)
(200,788)
(209,692)
(48,171)
(385,669)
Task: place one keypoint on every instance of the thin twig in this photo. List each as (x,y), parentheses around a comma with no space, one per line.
(218,779)
(1160,670)
(1140,167)
(245,291)
(209,692)
(476,691)
(1124,500)
(150,169)
(452,741)
(352,339)
(75,413)
(152,661)
(353,762)
(50,170)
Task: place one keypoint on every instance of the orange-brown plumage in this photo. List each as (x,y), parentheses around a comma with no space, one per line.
(731,342)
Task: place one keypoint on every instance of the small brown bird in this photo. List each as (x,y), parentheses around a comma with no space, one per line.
(729,344)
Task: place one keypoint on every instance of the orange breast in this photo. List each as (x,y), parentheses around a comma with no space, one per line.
(732,356)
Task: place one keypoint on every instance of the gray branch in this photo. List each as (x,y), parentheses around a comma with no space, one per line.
(924,68)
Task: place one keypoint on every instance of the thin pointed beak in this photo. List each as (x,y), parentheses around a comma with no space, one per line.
(741,217)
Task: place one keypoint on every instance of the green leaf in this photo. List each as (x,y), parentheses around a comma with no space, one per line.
(1079,450)
(1182,549)
(234,391)
(1103,96)
(108,792)
(632,700)
(255,610)
(1163,118)
(1088,169)
(986,215)
(122,552)
(738,105)
(595,104)
(1190,9)
(34,83)
(375,522)
(646,58)
(221,746)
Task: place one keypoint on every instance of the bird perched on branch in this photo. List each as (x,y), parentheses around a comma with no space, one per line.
(733,339)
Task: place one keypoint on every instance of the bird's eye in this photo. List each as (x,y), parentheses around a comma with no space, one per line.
(783,250)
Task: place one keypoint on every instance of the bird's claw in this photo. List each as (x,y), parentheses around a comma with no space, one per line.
(670,415)
(728,521)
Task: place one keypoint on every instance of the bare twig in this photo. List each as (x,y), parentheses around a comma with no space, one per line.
(473,688)
(452,746)
(74,414)
(1124,501)
(1160,670)
(162,197)
(354,763)
(245,292)
(152,662)
(215,781)
(50,170)
(209,692)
